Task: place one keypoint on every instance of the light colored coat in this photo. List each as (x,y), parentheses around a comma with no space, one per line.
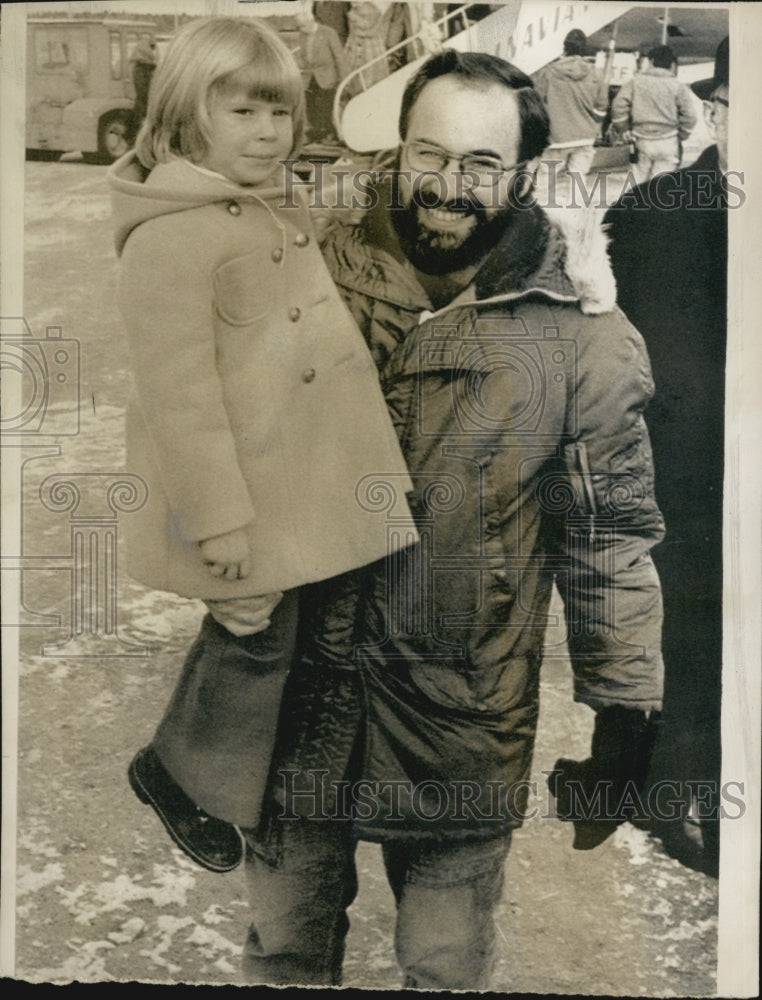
(654,104)
(256,402)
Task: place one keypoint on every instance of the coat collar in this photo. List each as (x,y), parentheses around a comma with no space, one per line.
(561,258)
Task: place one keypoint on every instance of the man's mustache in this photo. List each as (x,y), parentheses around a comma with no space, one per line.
(465,205)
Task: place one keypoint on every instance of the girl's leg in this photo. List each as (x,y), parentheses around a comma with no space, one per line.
(217,735)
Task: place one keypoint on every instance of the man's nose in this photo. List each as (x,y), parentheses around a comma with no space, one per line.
(451,183)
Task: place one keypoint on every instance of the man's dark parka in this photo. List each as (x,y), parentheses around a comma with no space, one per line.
(519,408)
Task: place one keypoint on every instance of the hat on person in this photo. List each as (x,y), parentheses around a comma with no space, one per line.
(705,88)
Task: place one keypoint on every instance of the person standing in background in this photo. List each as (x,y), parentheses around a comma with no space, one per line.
(576,96)
(369,26)
(333,13)
(323,64)
(144,60)
(658,111)
(669,252)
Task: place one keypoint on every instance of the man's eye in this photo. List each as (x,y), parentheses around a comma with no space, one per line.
(482,165)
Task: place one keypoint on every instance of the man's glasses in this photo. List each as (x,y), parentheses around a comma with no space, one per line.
(422,156)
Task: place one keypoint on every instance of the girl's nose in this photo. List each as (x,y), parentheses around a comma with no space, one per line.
(265,125)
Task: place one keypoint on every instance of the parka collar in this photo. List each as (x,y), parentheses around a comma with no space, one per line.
(528,259)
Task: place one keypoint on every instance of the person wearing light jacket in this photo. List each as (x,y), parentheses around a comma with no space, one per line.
(658,111)
(576,96)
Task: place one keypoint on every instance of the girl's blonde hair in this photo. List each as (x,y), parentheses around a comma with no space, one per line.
(206,57)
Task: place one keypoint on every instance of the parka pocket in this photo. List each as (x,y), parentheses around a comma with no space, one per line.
(242,294)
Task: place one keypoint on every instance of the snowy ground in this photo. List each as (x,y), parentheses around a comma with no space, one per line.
(102,894)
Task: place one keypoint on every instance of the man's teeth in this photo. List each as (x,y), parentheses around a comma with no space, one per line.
(444,214)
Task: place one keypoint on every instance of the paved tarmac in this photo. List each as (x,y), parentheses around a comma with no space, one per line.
(102,894)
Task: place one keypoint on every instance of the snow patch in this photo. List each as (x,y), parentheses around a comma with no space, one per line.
(210,942)
(636,842)
(169,888)
(31,881)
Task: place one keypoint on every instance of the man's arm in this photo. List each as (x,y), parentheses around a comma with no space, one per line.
(338,54)
(611,591)
(621,108)
(600,94)
(686,113)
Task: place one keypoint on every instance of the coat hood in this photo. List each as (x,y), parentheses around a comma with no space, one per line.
(560,254)
(570,67)
(138,194)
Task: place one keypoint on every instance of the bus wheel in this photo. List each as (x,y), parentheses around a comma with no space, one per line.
(116,134)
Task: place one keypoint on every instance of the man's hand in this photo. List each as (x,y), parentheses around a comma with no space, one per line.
(244,615)
(598,794)
(227,555)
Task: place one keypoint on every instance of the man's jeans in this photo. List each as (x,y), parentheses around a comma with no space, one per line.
(446,894)
(656,156)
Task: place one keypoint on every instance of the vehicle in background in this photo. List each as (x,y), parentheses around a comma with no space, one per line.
(162,41)
(79,86)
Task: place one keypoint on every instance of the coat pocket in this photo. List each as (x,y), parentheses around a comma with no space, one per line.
(241,296)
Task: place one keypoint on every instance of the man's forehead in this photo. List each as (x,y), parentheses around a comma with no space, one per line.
(496,95)
(480,113)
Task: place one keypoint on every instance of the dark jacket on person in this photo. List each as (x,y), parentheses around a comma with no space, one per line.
(669,254)
(520,412)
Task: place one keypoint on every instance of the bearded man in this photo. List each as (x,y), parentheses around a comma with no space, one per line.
(518,399)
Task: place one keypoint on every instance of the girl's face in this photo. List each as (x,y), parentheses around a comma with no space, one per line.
(248,137)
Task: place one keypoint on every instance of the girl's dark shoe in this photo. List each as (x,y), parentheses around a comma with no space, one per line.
(210,842)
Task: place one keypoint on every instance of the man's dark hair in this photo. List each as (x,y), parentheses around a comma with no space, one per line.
(575,43)
(662,57)
(479,70)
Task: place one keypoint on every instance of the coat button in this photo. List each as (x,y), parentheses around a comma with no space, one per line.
(308,375)
(301,240)
(234,208)
(277,255)
(294,314)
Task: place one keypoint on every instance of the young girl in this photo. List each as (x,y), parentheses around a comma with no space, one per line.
(256,415)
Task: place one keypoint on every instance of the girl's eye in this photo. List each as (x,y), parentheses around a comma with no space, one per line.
(282,112)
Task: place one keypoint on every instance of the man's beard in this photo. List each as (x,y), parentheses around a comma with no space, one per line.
(439,251)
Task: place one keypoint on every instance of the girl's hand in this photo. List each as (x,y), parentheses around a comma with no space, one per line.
(227,555)
(244,615)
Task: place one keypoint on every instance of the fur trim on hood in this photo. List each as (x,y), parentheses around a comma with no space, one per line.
(575,264)
(587,259)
